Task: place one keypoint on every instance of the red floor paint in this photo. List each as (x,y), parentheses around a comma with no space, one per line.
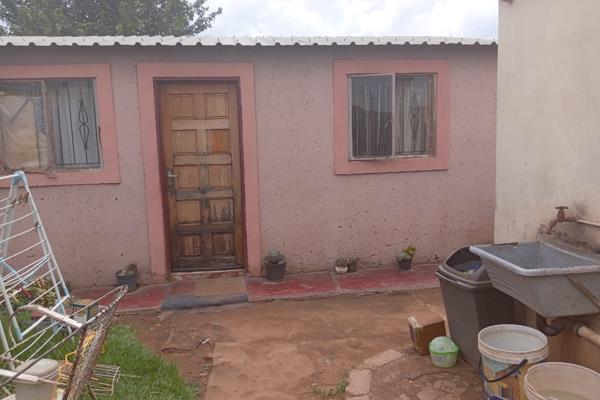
(182,287)
(295,285)
(388,279)
(90,293)
(146,297)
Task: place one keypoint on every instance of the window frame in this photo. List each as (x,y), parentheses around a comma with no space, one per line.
(53,131)
(107,139)
(344,161)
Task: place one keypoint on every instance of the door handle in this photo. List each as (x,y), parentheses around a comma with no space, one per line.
(171,176)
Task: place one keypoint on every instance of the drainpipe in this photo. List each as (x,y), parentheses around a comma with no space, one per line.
(558,325)
(555,328)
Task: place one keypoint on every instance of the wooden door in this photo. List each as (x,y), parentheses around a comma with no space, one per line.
(200,136)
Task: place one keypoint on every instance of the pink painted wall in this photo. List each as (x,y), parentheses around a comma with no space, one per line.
(306,210)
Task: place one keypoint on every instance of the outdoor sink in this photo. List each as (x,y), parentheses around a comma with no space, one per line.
(552,280)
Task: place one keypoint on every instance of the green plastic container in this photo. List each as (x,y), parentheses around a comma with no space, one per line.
(444,352)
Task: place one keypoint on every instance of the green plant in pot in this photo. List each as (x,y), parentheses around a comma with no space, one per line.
(41,290)
(405,257)
(275,264)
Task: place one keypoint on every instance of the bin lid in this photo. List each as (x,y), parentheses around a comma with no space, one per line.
(462,283)
(465,277)
(465,266)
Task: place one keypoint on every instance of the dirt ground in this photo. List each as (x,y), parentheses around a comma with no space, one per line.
(286,350)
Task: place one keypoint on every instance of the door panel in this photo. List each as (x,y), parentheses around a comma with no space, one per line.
(200,136)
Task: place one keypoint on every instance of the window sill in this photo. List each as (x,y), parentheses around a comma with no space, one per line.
(70,178)
(392,158)
(398,164)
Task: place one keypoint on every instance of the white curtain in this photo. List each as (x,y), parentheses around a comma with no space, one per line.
(415,117)
(371,108)
(23,140)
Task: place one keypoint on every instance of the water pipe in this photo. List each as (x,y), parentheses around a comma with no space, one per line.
(558,325)
(586,333)
(586,222)
(562,217)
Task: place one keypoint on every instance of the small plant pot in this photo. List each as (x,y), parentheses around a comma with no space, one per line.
(128,277)
(404,264)
(275,272)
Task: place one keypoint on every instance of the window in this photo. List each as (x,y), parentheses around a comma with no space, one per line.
(392,115)
(49,124)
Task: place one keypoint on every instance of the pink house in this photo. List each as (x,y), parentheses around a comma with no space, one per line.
(187,155)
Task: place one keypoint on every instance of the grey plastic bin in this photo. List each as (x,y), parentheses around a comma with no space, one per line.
(470,305)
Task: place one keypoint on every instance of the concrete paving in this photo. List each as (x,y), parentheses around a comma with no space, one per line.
(297,350)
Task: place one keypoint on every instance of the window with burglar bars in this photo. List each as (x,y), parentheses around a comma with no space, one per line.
(47,124)
(392,115)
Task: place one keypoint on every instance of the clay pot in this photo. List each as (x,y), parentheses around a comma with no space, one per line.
(275,271)
(404,264)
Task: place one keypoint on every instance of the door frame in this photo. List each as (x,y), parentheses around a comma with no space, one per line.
(149,74)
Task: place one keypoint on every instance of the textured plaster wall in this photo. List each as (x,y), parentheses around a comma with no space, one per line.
(308,212)
(315,216)
(548,143)
(548,98)
(97,229)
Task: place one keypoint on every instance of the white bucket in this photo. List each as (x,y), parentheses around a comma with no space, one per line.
(44,368)
(561,381)
(507,352)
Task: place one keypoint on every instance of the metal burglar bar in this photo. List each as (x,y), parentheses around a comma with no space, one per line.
(47,124)
(72,108)
(392,115)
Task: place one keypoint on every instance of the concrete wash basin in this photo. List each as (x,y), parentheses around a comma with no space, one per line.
(550,279)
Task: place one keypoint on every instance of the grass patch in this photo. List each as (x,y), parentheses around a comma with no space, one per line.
(145,376)
(330,393)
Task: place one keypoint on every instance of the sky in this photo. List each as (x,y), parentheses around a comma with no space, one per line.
(463,18)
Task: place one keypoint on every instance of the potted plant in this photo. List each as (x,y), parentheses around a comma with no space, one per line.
(346,264)
(341,265)
(40,290)
(275,264)
(405,257)
(128,277)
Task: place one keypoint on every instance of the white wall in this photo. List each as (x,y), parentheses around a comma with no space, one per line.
(548,134)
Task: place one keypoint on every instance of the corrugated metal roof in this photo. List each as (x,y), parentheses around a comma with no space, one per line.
(44,41)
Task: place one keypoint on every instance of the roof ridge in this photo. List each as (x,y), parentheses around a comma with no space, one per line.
(208,40)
